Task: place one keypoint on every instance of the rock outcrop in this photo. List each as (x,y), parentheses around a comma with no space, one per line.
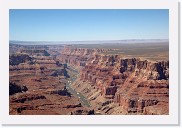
(78,57)
(26,97)
(37,52)
(62,92)
(83,112)
(14,88)
(16,59)
(60,72)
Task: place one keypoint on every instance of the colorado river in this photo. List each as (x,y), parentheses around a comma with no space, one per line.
(82,99)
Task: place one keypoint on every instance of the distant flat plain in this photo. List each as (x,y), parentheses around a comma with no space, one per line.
(151,51)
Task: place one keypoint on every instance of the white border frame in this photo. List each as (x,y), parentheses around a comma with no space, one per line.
(171,119)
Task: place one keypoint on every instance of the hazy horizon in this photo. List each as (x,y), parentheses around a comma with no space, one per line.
(90,41)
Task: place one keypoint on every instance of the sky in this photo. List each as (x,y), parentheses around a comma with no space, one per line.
(88,24)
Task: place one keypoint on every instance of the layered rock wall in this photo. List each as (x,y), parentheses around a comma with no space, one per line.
(136,85)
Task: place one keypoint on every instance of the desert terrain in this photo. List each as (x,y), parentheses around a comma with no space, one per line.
(89,79)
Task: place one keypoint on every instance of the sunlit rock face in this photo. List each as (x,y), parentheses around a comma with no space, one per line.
(138,86)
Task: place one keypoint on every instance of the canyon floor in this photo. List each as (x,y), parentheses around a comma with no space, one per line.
(89,79)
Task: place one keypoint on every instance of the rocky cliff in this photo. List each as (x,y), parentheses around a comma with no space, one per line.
(133,83)
(78,57)
(119,85)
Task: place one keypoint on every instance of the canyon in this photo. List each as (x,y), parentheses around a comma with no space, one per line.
(86,79)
